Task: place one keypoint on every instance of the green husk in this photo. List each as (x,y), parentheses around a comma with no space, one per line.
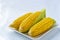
(41,16)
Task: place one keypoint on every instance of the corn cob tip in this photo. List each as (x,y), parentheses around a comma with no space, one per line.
(52,19)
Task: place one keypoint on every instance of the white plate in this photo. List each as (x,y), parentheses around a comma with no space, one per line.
(34,38)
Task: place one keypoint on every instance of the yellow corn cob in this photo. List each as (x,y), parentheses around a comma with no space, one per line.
(41,27)
(18,21)
(31,20)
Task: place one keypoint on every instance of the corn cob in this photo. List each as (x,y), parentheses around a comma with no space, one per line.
(18,21)
(31,20)
(41,27)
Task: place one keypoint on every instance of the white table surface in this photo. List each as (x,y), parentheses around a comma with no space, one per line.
(10,9)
